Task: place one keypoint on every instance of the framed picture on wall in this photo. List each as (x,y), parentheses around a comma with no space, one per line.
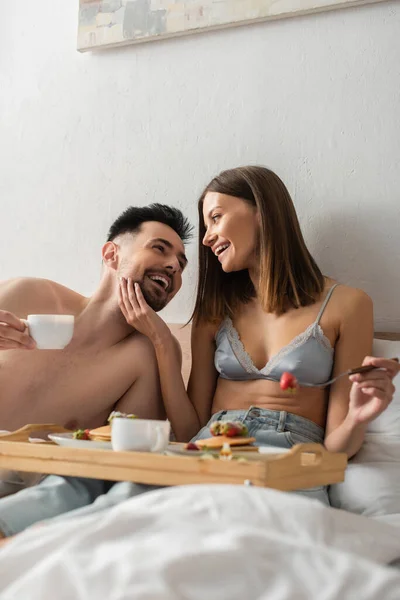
(107,23)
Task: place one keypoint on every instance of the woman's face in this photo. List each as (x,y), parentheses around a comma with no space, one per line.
(231,231)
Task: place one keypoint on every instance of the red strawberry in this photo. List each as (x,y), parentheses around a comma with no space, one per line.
(81,434)
(192,446)
(231,429)
(288,382)
(240,427)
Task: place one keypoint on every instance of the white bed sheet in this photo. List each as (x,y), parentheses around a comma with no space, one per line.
(206,543)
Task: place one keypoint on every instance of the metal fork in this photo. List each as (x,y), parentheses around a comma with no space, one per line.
(348,373)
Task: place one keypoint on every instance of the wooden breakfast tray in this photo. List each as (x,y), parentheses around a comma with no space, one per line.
(304,466)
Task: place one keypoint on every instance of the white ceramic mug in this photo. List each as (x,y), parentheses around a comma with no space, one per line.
(139,435)
(51,332)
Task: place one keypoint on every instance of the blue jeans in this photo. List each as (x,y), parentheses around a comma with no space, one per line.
(270,427)
(67,497)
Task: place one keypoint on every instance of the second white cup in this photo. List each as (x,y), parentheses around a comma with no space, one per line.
(140,435)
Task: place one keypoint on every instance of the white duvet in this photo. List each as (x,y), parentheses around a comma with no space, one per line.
(206,543)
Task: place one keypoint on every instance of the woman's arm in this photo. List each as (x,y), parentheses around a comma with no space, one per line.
(203,375)
(180,410)
(356,401)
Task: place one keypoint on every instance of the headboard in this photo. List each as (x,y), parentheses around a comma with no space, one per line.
(385,335)
(182,333)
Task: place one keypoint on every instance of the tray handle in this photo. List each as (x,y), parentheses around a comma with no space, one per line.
(24,433)
(308,455)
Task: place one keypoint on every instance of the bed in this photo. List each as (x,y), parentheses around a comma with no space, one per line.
(223,541)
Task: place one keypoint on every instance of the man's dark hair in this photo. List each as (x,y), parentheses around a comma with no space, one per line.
(132,218)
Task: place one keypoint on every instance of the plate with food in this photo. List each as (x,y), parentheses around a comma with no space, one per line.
(234,433)
(81,438)
(224,434)
(192,449)
(100,437)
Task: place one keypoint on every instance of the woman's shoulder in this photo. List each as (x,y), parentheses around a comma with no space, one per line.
(348,299)
(206,329)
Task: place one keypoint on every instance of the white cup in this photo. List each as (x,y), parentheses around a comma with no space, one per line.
(51,332)
(139,435)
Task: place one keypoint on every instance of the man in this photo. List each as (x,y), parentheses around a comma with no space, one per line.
(108,365)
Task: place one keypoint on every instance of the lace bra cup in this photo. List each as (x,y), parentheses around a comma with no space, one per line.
(309,357)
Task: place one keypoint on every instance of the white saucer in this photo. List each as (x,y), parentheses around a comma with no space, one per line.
(67,440)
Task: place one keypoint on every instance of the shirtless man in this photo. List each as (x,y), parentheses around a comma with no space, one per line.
(107,365)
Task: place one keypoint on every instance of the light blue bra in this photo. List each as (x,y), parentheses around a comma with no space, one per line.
(309,356)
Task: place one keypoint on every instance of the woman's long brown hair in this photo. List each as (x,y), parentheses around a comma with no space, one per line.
(289,276)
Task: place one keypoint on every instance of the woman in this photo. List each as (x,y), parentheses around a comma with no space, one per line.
(263,307)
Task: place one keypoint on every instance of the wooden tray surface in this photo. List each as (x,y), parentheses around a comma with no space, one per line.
(304,466)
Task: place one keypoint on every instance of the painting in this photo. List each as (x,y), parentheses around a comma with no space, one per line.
(105,23)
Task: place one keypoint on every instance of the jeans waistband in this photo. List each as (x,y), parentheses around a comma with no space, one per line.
(282,418)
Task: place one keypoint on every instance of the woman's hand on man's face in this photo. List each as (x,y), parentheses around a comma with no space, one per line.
(139,314)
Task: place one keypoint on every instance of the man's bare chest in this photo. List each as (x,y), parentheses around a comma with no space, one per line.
(61,386)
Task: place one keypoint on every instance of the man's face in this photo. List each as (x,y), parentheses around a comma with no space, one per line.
(155,258)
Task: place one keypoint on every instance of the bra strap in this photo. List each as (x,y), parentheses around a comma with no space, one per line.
(329,294)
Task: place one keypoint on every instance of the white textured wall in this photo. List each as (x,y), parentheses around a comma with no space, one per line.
(82,136)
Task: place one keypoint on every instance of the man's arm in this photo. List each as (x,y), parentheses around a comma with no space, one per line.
(143,398)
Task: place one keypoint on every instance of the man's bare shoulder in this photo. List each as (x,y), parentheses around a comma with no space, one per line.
(137,345)
(177,347)
(17,291)
(24,295)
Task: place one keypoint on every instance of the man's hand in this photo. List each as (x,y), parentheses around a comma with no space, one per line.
(14,333)
(139,314)
(372,392)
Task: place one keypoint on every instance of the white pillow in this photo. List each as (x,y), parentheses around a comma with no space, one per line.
(372,480)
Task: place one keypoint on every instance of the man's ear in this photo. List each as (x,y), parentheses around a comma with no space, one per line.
(110,255)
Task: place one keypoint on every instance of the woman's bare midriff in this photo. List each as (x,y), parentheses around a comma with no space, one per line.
(241,395)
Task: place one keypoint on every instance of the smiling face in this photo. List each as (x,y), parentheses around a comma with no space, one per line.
(231,231)
(155,258)
(247,219)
